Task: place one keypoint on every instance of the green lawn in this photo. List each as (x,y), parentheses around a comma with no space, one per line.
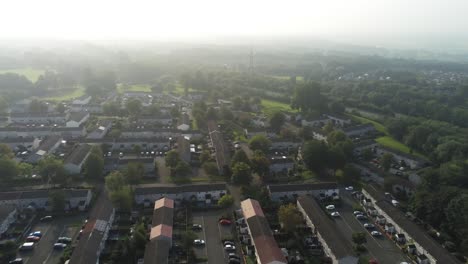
(30,73)
(79,91)
(363,120)
(269,107)
(133,88)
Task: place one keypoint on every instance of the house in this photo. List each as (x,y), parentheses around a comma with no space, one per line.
(46,147)
(359,130)
(78,199)
(41,131)
(339,120)
(95,233)
(162,119)
(266,248)
(21,143)
(103,127)
(157,249)
(128,144)
(145,132)
(8,214)
(74,162)
(280,164)
(335,245)
(76,119)
(319,123)
(412,161)
(83,100)
(284,144)
(38,118)
(184,122)
(207,193)
(396,222)
(319,190)
(21,106)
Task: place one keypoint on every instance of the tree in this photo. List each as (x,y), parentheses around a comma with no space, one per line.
(211,168)
(359,238)
(336,158)
(172,158)
(289,217)
(307,98)
(277,120)
(239,156)
(57,200)
(205,156)
(260,163)
(94,164)
(115,181)
(134,172)
(53,170)
(226,201)
(137,149)
(25,169)
(120,193)
(328,128)
(349,175)
(133,106)
(241,174)
(367,154)
(335,137)
(314,155)
(259,142)
(60,108)
(386,161)
(3,105)
(226,114)
(8,168)
(187,239)
(6,152)
(37,106)
(182,169)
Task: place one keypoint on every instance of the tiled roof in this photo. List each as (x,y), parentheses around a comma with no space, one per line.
(172,188)
(78,154)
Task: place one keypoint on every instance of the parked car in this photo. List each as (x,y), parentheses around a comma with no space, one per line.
(60,246)
(26,246)
(16,261)
(376,233)
(357,213)
(234,261)
(233,256)
(33,239)
(46,218)
(349,188)
(199,242)
(196,227)
(335,214)
(64,240)
(230,247)
(227,242)
(36,233)
(361,217)
(330,207)
(369,225)
(225,222)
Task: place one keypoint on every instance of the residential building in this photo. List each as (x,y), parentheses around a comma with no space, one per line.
(38,118)
(396,222)
(266,248)
(281,164)
(320,122)
(284,144)
(339,120)
(319,190)
(74,162)
(39,199)
(162,119)
(95,233)
(335,245)
(359,130)
(128,144)
(83,100)
(8,214)
(412,161)
(46,147)
(102,128)
(77,119)
(19,143)
(41,131)
(157,249)
(205,193)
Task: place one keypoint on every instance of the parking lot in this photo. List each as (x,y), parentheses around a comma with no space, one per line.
(380,248)
(213,233)
(43,251)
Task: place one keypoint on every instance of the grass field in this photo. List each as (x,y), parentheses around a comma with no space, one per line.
(30,73)
(363,120)
(133,88)
(79,91)
(283,77)
(269,107)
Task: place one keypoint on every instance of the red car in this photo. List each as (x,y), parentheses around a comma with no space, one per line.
(32,239)
(224,222)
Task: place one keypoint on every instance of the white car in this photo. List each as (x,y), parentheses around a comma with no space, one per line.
(369,225)
(361,217)
(199,242)
(376,233)
(349,188)
(335,214)
(330,207)
(357,213)
(230,247)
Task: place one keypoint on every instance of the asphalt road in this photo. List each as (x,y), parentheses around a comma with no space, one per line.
(380,248)
(44,253)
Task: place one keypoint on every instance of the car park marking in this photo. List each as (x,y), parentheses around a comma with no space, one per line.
(204,236)
(52,251)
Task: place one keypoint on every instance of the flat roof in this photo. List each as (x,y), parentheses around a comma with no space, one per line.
(148,189)
(302,187)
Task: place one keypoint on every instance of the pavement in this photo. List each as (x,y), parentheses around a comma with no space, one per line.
(44,252)
(213,234)
(380,248)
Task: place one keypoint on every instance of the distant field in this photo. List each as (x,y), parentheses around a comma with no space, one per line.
(133,88)
(283,77)
(269,107)
(363,120)
(30,73)
(79,91)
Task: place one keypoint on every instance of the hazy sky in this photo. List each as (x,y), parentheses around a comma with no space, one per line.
(177,19)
